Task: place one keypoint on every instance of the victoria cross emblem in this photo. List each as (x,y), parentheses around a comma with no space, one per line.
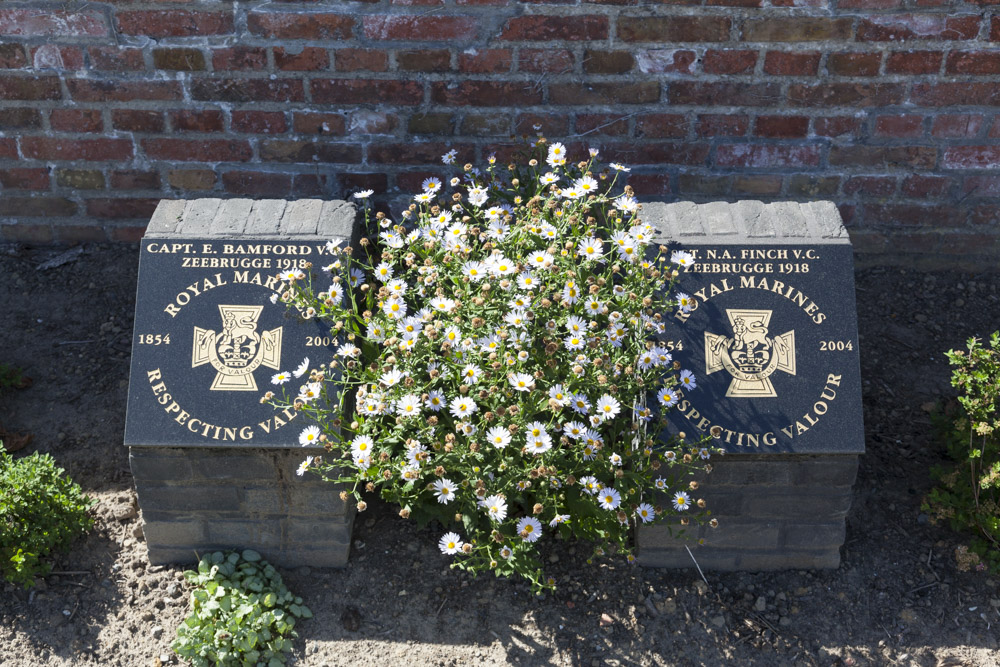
(238,350)
(749,355)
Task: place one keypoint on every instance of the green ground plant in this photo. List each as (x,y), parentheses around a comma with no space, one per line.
(242,613)
(968,496)
(41,512)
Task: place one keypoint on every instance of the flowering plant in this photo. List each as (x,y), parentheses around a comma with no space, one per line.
(498,346)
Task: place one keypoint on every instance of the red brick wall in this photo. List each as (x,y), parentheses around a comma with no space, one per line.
(886,107)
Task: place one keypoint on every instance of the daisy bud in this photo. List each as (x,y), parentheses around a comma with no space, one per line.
(369,487)
(537,509)
(458,517)
(655,465)
(405,513)
(685,521)
(701,503)
(714,523)
(362,506)
(570,480)
(387,475)
(493,564)
(693,485)
(687,458)
(439,471)
(344,495)
(622,517)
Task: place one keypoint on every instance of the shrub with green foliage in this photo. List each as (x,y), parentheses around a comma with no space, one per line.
(242,613)
(969,494)
(41,512)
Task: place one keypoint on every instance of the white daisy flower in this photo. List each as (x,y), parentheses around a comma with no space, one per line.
(574,430)
(516,318)
(471,374)
(682,258)
(495,506)
(590,485)
(463,406)
(586,185)
(408,406)
(682,501)
(540,259)
(590,248)
(608,407)
(571,292)
(548,178)
(574,342)
(684,302)
(302,368)
(570,193)
(449,157)
(431,184)
(557,150)
(309,436)
(281,378)
(364,194)
(435,400)
(626,204)
(521,381)
(619,167)
(529,528)
(609,498)
(444,490)
(383,271)
(506,553)
(539,444)
(593,306)
(477,196)
(395,308)
(615,460)
(498,436)
(559,394)
(375,332)
(662,356)
(558,519)
(687,379)
(392,377)
(301,470)
(501,266)
(646,360)
(644,512)
(527,281)
(450,543)
(580,403)
(362,445)
(453,334)
(660,484)
(292,275)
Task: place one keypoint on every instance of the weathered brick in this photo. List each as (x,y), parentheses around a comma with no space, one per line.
(921,186)
(307,122)
(431,123)
(607,62)
(545,60)
(666,61)
(870,186)
(131,179)
(363,121)
(198,150)
(661,126)
(248,90)
(805,185)
(604,93)
(416,153)
(973,62)
(182,60)
(8,149)
(756,156)
(354,60)
(913,215)
(913,62)
(306,59)
(29,88)
(92,90)
(708,94)
(76,120)
(760,185)
(191,179)
(485,61)
(486,125)
(420,28)
(45,148)
(259,122)
(20,118)
(116,58)
(12,56)
(122,207)
(36,207)
(652,153)
(137,120)
(899,125)
(52,56)
(354,181)
(729,61)
(949,94)
(785,63)
(782,127)
(836,126)
(650,184)
(26,232)
(895,157)
(545,28)
(424,60)
(705,185)
(846,94)
(80,179)
(312,25)
(25,178)
(485,93)
(662,29)
(853,64)
(722,125)
(551,124)
(971,157)
(80,234)
(796,29)
(309,152)
(903,27)
(253,58)
(191,120)
(174,23)
(957,126)
(360,91)
(25,22)
(257,183)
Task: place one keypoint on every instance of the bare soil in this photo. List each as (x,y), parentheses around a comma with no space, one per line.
(897,598)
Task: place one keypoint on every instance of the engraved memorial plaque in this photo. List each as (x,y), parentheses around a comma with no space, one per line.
(208,339)
(771,336)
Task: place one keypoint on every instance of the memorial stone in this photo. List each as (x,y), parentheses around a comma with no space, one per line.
(771,334)
(214,467)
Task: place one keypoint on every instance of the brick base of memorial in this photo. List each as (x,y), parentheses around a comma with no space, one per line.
(772,338)
(215,468)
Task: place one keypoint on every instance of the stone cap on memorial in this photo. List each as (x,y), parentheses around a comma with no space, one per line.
(747,222)
(256,218)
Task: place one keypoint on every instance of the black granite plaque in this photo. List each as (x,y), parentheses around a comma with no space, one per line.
(772,339)
(208,339)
